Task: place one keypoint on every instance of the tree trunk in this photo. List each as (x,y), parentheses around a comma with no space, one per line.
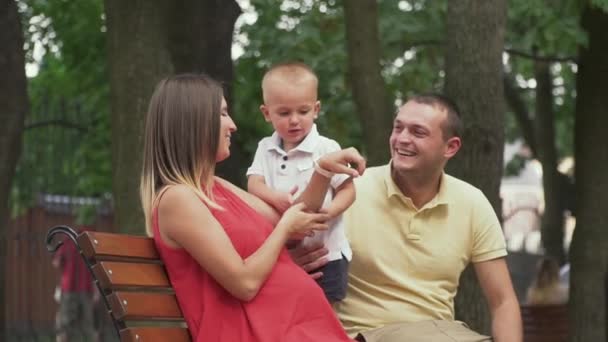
(552,227)
(372,99)
(14,105)
(200,40)
(164,38)
(139,58)
(474,80)
(589,249)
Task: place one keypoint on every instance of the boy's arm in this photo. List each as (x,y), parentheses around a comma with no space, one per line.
(343,198)
(256,185)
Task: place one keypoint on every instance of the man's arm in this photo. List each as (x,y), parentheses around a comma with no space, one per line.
(494,279)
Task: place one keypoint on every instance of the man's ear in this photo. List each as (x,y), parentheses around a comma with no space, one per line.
(453,145)
(265,112)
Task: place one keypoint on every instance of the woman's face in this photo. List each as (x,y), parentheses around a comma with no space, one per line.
(227,126)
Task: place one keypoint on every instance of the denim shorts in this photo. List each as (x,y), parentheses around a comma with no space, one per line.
(334,280)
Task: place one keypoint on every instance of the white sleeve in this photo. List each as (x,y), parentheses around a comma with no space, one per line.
(257,166)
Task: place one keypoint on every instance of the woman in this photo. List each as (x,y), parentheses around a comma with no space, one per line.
(224,248)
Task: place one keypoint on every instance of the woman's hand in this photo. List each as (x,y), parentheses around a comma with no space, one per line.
(347,161)
(299,223)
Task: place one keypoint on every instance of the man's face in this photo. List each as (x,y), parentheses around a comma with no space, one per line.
(417,142)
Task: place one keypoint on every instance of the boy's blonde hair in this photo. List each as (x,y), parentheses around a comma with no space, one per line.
(181,139)
(293,73)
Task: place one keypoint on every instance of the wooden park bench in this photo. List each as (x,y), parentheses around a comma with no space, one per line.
(545,323)
(136,289)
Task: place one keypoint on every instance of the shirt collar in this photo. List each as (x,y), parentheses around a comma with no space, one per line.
(307,145)
(441,198)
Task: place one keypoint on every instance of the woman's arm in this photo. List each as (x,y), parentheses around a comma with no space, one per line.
(185,222)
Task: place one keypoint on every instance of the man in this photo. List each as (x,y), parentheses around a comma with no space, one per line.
(413,229)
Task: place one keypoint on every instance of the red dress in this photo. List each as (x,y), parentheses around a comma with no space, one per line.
(290,306)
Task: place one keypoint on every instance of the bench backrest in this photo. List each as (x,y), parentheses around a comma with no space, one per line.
(545,323)
(136,287)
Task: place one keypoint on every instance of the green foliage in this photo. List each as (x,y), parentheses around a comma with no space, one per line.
(603,4)
(71,87)
(66,142)
(313,32)
(549,30)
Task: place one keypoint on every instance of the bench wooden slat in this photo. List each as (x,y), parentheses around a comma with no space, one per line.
(116,275)
(144,306)
(106,245)
(138,293)
(147,334)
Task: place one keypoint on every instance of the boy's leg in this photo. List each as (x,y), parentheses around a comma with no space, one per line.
(334,280)
(426,331)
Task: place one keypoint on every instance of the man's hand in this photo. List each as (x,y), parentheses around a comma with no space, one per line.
(310,257)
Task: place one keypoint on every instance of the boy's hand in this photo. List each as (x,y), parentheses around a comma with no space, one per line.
(347,161)
(283,200)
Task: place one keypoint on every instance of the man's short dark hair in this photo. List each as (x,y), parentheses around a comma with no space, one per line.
(453,125)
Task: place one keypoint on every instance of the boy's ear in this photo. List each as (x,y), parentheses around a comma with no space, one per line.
(317,108)
(264,111)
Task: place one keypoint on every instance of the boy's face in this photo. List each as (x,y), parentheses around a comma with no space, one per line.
(291,109)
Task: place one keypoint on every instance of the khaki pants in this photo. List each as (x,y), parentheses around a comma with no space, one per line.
(426,331)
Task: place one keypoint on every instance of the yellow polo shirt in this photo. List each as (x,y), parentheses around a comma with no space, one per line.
(407,261)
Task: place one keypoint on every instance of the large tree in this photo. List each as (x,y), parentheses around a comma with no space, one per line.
(200,40)
(13,108)
(589,249)
(473,78)
(163,38)
(370,93)
(139,58)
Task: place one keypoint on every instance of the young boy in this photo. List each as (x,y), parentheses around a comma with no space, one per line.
(285,161)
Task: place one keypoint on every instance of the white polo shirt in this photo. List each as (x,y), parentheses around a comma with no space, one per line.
(283,170)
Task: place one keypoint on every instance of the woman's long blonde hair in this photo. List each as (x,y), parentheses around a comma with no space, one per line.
(181,138)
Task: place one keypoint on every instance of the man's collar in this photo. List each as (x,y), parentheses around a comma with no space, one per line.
(441,198)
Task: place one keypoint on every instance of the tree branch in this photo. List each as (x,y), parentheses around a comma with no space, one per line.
(536,57)
(59,122)
(514,52)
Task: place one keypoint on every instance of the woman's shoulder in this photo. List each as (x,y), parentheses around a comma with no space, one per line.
(179,201)
(176,196)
